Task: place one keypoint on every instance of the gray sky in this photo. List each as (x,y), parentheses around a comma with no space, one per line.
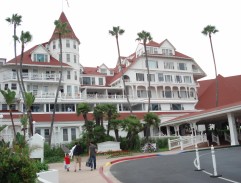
(179,21)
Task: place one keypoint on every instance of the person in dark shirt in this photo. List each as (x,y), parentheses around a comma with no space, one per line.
(92,155)
(77,158)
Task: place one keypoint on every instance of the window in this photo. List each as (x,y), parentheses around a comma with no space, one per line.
(74,45)
(187,79)
(67,43)
(155,107)
(69,90)
(68,75)
(167,52)
(45,89)
(160,77)
(75,59)
(75,75)
(68,57)
(101,81)
(141,94)
(4,107)
(178,79)
(35,89)
(54,45)
(103,71)
(168,65)
(168,94)
(152,77)
(183,94)
(13,86)
(86,81)
(176,107)
(73,133)
(46,134)
(93,81)
(5,86)
(152,64)
(40,57)
(182,66)
(168,78)
(38,131)
(14,73)
(76,89)
(139,77)
(155,51)
(65,134)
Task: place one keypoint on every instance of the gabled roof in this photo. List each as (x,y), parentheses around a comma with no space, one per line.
(229,91)
(70,35)
(28,61)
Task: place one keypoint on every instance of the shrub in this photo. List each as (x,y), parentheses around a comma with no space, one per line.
(16,166)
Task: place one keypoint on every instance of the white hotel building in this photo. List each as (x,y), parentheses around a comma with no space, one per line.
(173,85)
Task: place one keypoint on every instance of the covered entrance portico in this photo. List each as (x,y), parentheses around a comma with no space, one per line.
(221,119)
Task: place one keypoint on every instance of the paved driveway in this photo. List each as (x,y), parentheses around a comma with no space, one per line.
(179,168)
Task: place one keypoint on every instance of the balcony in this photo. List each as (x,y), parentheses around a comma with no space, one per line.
(32,77)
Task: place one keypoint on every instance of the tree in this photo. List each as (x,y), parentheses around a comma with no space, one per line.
(116,124)
(144,37)
(111,113)
(151,119)
(133,126)
(116,31)
(29,98)
(16,21)
(9,97)
(60,29)
(24,39)
(209,30)
(99,114)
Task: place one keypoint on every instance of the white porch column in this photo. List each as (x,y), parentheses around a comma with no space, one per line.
(168,130)
(176,130)
(233,129)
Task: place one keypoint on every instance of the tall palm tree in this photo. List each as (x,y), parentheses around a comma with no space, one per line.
(24,39)
(99,114)
(209,30)
(9,97)
(144,37)
(61,29)
(16,21)
(116,31)
(29,98)
(151,119)
(111,113)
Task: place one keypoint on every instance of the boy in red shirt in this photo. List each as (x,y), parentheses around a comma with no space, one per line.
(67,162)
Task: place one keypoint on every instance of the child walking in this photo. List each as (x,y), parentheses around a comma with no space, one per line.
(67,162)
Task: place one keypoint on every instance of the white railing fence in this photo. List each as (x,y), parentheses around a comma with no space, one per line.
(227,137)
(186,141)
(215,138)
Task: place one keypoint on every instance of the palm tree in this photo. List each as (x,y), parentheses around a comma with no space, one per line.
(24,39)
(99,114)
(111,113)
(151,119)
(144,37)
(209,30)
(29,98)
(61,29)
(16,21)
(9,97)
(116,31)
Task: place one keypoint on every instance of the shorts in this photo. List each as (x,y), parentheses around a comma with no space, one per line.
(77,159)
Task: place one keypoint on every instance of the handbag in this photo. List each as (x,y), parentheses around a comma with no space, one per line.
(88,162)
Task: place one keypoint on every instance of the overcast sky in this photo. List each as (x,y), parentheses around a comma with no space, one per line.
(179,21)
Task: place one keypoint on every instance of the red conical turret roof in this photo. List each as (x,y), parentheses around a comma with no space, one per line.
(71,34)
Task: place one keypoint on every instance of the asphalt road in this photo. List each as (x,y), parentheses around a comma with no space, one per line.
(180,168)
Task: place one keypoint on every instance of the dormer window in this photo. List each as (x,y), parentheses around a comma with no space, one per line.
(103,71)
(40,57)
(167,52)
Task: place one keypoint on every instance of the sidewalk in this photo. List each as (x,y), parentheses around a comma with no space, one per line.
(101,174)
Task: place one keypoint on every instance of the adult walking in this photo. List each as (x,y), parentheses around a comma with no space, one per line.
(76,153)
(92,155)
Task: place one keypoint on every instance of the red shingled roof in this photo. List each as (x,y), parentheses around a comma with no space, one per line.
(229,92)
(71,34)
(28,61)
